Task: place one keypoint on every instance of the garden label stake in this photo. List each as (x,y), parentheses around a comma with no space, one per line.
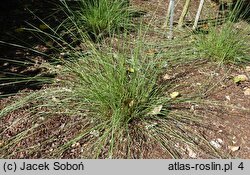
(167,16)
(198,14)
(184,13)
(171,20)
(170,13)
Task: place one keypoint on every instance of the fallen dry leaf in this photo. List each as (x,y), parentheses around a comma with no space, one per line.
(247,91)
(234,148)
(240,78)
(248,68)
(174,94)
(131,103)
(131,70)
(156,110)
(166,77)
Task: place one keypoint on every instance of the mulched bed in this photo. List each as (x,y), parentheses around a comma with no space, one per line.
(224,106)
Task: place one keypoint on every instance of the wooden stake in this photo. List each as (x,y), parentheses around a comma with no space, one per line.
(184,13)
(171,19)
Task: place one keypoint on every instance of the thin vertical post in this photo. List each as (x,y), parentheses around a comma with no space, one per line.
(184,13)
(171,19)
(167,16)
(198,14)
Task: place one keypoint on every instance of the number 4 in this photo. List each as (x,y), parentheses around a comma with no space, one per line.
(241,166)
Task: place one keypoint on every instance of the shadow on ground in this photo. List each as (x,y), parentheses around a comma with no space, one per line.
(18,65)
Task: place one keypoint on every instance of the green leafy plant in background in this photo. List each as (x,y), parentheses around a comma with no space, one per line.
(239,10)
(98,18)
(226,43)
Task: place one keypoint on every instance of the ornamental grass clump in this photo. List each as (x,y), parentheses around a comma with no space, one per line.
(118,104)
(227,43)
(224,45)
(97,18)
